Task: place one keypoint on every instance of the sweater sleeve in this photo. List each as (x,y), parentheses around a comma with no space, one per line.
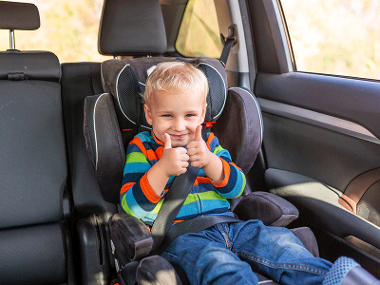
(137,196)
(234,179)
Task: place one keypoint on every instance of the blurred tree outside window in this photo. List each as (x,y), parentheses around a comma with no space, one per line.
(68,28)
(340,37)
(199,31)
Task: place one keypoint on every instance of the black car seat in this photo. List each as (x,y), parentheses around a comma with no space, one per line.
(112,118)
(35,239)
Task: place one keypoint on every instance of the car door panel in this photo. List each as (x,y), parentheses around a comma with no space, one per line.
(324,128)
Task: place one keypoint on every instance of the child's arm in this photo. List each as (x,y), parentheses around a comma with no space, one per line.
(228,179)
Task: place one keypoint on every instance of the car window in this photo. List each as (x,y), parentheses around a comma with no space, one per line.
(335,36)
(199,31)
(68,28)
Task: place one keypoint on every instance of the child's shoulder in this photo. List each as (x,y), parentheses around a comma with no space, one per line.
(212,140)
(145,136)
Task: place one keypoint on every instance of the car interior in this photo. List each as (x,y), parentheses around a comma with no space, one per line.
(308,143)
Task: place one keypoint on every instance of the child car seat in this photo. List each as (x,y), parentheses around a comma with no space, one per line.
(113,118)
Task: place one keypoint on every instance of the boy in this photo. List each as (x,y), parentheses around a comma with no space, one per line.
(175,106)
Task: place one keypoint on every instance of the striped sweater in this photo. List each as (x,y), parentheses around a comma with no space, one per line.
(206,196)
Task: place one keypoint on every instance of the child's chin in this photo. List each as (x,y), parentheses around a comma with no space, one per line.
(178,145)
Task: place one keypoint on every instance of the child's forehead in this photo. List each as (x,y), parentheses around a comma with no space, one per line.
(190,101)
(183,94)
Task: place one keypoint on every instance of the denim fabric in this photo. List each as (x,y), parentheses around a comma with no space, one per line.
(225,254)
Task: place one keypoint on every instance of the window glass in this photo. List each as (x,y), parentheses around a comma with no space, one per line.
(199,31)
(68,28)
(335,36)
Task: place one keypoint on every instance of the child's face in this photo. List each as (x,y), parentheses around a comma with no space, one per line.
(177,114)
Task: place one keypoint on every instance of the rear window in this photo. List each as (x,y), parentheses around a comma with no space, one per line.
(199,31)
(339,37)
(68,28)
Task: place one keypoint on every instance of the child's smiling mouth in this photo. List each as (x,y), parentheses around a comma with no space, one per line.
(178,136)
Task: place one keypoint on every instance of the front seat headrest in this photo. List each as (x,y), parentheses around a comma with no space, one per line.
(19,16)
(132,28)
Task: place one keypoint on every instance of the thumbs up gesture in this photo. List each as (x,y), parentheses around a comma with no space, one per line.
(173,160)
(197,150)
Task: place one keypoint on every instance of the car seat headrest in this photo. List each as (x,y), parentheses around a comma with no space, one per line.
(125,80)
(132,28)
(19,16)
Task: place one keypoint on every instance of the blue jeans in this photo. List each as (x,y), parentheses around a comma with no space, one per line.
(227,253)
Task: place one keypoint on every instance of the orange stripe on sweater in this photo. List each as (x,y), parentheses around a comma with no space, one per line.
(140,145)
(227,170)
(148,191)
(210,138)
(126,187)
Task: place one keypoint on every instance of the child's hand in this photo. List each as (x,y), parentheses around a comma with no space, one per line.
(174,160)
(198,151)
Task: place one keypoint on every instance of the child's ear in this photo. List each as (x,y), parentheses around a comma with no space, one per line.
(204,112)
(148,115)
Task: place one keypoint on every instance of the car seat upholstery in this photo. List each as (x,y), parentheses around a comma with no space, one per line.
(35,202)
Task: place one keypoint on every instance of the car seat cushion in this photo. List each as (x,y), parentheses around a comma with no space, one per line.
(272,210)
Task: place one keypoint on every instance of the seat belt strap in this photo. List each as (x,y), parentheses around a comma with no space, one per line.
(226,50)
(193,226)
(172,204)
(228,42)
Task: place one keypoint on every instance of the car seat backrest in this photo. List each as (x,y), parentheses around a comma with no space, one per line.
(33,161)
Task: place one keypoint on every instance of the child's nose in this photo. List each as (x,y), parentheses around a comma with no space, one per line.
(179,125)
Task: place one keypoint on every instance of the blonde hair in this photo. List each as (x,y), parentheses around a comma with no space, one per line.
(175,77)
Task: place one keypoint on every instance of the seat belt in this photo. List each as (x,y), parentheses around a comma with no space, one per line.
(172,204)
(228,42)
(194,225)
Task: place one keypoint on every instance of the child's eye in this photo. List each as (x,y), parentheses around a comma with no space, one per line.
(190,115)
(166,116)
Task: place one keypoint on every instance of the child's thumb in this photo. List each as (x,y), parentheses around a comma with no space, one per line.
(168,141)
(198,133)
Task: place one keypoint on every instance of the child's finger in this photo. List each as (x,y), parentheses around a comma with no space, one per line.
(198,133)
(168,141)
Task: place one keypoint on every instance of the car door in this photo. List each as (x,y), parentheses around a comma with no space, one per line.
(321,140)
